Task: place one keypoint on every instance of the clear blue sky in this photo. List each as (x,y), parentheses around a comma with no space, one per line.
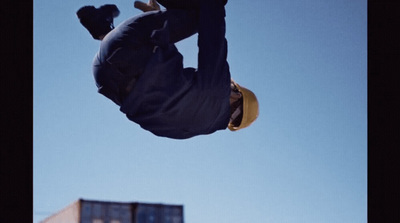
(303,160)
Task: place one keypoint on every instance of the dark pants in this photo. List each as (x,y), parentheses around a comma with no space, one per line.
(212,64)
(183,4)
(207,19)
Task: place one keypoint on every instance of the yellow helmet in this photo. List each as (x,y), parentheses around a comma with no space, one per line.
(250,108)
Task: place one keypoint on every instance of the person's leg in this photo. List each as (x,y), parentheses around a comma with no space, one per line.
(181,24)
(183,4)
(213,68)
(171,26)
(180,4)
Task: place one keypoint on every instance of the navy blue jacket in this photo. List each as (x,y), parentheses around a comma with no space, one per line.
(166,99)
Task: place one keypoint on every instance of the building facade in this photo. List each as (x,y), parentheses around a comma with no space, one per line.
(90,211)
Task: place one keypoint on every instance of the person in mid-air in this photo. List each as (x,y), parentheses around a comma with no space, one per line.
(139,68)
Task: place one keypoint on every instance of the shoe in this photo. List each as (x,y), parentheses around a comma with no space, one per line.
(99,21)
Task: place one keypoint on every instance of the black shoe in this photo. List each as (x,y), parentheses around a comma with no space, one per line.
(99,21)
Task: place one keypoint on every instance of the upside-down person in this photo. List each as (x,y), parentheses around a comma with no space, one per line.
(139,68)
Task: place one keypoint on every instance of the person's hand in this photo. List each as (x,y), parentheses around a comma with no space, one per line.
(152,5)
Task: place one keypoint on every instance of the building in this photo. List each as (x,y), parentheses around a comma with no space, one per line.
(89,211)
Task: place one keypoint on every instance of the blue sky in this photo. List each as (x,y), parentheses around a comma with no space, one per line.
(303,160)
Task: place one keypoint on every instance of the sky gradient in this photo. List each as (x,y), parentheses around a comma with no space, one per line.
(303,160)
